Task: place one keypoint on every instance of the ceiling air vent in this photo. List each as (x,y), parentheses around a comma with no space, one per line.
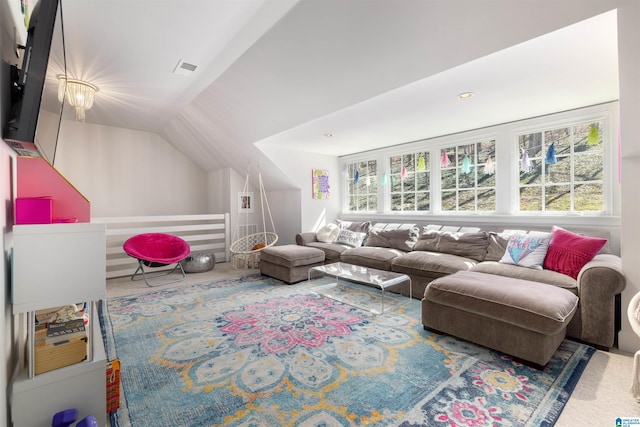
(184,68)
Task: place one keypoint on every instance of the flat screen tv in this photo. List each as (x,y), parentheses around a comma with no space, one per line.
(35,109)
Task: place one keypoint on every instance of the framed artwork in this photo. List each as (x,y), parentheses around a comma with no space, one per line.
(320,184)
(245,202)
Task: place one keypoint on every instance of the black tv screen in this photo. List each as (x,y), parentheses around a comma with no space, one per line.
(34,86)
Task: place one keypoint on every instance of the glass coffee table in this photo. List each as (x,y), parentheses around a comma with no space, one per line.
(349,276)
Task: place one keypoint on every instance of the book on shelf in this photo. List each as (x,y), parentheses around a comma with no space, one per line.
(63,331)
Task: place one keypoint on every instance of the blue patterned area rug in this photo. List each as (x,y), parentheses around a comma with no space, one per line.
(251,351)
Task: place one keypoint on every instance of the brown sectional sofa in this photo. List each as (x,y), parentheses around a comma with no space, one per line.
(430,252)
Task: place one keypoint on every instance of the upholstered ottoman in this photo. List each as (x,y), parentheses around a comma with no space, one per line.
(289,263)
(522,318)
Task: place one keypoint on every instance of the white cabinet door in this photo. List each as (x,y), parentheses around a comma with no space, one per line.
(57,264)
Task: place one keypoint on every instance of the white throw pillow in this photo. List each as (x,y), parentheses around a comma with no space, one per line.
(350,238)
(328,233)
(527,250)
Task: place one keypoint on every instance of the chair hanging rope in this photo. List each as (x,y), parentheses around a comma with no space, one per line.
(245,250)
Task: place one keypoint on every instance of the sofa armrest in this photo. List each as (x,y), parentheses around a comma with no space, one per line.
(305,238)
(599,281)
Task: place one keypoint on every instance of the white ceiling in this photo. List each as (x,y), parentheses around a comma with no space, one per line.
(566,69)
(282,73)
(130,48)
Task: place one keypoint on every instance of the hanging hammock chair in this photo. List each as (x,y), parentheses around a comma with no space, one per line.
(245,250)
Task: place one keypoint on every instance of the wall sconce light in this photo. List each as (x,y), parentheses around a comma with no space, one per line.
(79,95)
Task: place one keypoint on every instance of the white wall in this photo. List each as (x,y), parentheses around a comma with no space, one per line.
(7,344)
(629,66)
(218,191)
(314,213)
(9,14)
(285,210)
(125,172)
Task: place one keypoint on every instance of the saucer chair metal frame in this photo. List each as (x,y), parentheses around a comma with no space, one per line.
(245,251)
(633,313)
(138,247)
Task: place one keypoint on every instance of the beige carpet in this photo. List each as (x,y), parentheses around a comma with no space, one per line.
(601,396)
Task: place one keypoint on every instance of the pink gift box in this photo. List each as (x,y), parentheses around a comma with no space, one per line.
(34,210)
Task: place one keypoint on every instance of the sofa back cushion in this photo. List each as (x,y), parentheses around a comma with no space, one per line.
(400,238)
(469,245)
(498,243)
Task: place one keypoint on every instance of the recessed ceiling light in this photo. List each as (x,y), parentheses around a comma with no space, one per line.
(328,135)
(465,95)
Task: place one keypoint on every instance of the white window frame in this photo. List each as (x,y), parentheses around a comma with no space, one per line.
(563,120)
(347,178)
(507,169)
(477,169)
(387,191)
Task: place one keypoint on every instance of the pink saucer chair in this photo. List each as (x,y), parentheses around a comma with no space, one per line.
(157,250)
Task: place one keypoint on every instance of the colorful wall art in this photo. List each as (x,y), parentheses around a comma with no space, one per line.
(320,184)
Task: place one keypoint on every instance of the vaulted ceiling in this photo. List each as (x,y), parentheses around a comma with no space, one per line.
(373,73)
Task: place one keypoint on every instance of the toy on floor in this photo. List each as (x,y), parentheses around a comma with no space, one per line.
(69,416)
(64,418)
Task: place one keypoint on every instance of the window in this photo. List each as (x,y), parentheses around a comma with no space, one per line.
(362,188)
(562,169)
(467,177)
(409,176)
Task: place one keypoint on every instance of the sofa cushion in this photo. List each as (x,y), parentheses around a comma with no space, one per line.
(569,252)
(468,245)
(543,276)
(292,255)
(497,246)
(430,264)
(527,250)
(331,251)
(402,239)
(372,257)
(526,304)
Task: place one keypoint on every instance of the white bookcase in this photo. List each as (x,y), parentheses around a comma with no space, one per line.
(55,265)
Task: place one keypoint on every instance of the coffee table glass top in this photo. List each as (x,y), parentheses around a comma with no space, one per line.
(378,279)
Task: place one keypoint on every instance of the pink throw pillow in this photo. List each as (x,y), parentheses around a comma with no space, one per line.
(569,252)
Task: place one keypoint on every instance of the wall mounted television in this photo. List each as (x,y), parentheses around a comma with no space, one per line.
(36,112)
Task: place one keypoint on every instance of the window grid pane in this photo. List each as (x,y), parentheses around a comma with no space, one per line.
(362,186)
(409,182)
(565,169)
(467,177)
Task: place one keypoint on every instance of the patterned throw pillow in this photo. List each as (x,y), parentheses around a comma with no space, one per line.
(360,227)
(527,250)
(350,238)
(569,252)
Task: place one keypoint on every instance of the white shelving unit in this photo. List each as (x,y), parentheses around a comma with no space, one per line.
(55,265)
